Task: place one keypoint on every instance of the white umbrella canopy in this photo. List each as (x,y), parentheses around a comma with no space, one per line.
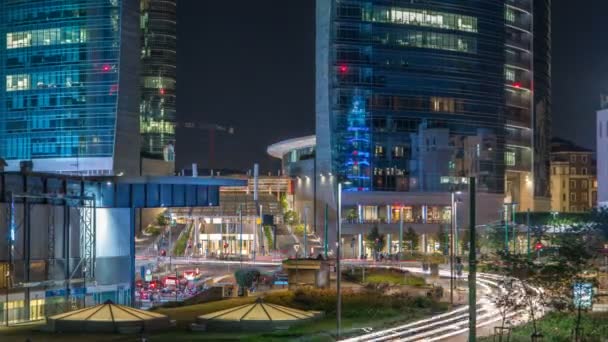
(258,315)
(107,317)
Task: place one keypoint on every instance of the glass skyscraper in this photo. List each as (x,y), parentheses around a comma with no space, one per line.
(412,96)
(415,93)
(69,96)
(157,107)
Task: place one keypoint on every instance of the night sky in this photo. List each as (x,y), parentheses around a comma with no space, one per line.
(250,65)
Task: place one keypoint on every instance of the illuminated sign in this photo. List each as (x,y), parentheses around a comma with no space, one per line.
(583,295)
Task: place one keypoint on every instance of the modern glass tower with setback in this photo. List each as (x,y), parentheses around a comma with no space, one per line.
(158,83)
(414,95)
(70,85)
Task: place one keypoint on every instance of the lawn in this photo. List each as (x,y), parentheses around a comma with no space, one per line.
(383,276)
(557,327)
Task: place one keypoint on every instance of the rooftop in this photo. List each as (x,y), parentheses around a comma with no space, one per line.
(279,149)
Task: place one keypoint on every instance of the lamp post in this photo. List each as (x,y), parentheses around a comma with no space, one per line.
(296,247)
(528,232)
(338,272)
(241,235)
(454,245)
(400,232)
(472,262)
(305,233)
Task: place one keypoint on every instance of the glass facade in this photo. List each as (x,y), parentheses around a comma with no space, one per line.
(158,56)
(61,63)
(415,93)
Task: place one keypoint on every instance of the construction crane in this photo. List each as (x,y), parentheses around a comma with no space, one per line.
(211,128)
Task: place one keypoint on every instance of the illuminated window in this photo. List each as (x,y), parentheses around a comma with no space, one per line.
(17,82)
(398,151)
(49,36)
(510,159)
(420,17)
(510,15)
(428,40)
(442,104)
(159,82)
(379,151)
(510,74)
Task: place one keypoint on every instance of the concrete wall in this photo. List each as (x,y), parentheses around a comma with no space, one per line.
(157,167)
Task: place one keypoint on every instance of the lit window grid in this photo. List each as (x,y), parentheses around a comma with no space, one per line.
(54,112)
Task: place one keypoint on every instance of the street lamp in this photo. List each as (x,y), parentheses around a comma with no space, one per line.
(454,247)
(338,272)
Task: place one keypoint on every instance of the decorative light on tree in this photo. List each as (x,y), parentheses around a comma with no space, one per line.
(357,146)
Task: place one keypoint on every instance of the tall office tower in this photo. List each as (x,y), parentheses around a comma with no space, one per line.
(412,96)
(157,108)
(528,102)
(69,96)
(402,83)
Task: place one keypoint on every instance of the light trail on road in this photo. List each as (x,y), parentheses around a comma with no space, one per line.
(446,325)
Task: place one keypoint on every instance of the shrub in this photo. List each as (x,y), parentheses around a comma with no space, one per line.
(245,277)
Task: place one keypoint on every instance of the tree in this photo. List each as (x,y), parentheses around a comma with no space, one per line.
(506,301)
(375,239)
(556,272)
(161,220)
(352,215)
(442,238)
(290,217)
(283,203)
(411,239)
(245,277)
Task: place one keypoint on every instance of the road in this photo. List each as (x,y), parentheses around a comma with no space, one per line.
(450,326)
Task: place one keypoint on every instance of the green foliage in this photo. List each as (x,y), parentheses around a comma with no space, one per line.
(443,239)
(268,234)
(352,215)
(366,303)
(375,239)
(283,203)
(411,235)
(161,220)
(557,327)
(555,271)
(290,217)
(550,218)
(383,276)
(245,277)
(298,229)
(182,242)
